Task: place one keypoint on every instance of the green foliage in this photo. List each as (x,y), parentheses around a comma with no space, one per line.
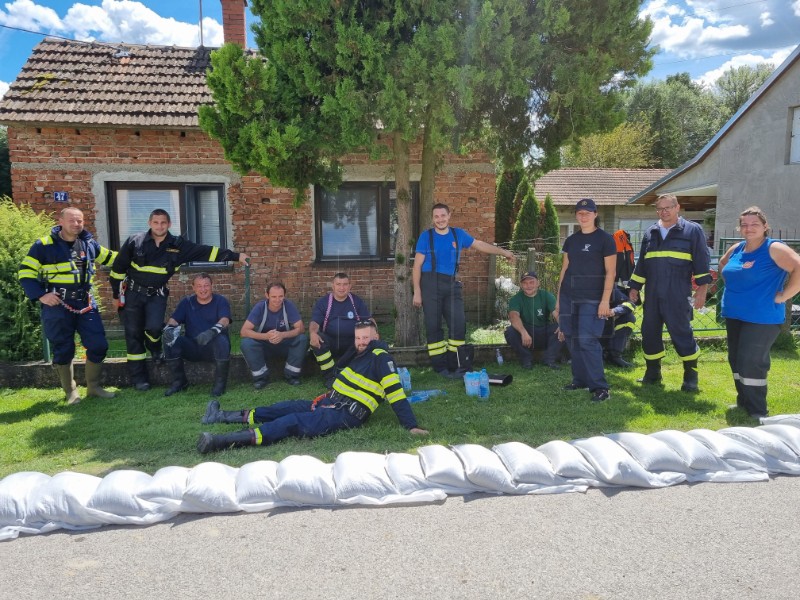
(736,85)
(682,116)
(5,164)
(628,146)
(507,184)
(549,227)
(20,327)
(526,229)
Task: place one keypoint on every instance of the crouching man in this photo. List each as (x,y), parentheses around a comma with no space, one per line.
(366,376)
(206,316)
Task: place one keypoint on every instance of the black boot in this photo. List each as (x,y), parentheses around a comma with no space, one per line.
(208,442)
(179,381)
(439,364)
(215,415)
(615,358)
(652,374)
(261,381)
(690,376)
(221,368)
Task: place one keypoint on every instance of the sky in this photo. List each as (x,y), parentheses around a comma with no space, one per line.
(701,37)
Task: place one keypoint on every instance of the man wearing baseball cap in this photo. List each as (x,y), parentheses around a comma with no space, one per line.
(532,324)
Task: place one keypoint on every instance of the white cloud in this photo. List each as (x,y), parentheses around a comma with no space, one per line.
(796,8)
(766,19)
(776,58)
(112,21)
(3,88)
(27,15)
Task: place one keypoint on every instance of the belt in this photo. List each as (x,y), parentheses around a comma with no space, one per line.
(70,294)
(148,290)
(354,407)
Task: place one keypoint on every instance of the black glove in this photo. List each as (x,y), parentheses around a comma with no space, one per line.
(208,335)
(170,334)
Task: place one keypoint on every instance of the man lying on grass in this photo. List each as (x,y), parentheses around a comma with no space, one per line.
(366,375)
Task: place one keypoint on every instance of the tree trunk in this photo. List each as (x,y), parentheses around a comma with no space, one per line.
(407,331)
(427,177)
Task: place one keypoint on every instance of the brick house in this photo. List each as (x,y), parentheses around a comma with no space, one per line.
(113,130)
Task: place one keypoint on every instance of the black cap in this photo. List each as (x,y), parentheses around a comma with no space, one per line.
(529,275)
(586,204)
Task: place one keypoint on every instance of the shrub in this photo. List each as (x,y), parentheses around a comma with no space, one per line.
(526,229)
(20,326)
(507,184)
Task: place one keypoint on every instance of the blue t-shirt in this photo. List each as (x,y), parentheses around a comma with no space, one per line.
(445,248)
(586,273)
(274,320)
(343,316)
(751,281)
(199,317)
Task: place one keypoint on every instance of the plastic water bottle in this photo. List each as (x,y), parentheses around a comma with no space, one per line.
(484,385)
(405,379)
(472,383)
(499,356)
(423,395)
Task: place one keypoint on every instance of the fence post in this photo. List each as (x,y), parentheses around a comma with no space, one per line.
(531,260)
(491,292)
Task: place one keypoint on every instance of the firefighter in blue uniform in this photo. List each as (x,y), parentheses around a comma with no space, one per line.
(58,272)
(331,331)
(438,292)
(366,376)
(674,251)
(139,277)
(618,329)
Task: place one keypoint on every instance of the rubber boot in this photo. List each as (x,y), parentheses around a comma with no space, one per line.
(690,376)
(208,442)
(652,374)
(221,368)
(261,381)
(439,364)
(94,372)
(66,375)
(215,415)
(615,358)
(179,381)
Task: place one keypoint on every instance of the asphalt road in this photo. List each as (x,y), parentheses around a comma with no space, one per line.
(704,541)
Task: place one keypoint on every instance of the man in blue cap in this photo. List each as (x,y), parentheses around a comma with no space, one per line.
(530,312)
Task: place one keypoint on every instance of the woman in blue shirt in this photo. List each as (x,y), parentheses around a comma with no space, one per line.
(761,275)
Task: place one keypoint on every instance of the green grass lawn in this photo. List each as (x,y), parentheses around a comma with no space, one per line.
(146,431)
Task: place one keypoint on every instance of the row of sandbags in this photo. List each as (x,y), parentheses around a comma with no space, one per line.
(33,502)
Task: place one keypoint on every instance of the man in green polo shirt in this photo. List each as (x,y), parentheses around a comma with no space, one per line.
(532,326)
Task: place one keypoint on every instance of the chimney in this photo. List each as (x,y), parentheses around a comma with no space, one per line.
(233,24)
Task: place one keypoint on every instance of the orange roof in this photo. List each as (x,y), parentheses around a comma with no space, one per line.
(607,187)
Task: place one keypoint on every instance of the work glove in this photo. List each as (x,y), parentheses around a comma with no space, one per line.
(170,334)
(208,335)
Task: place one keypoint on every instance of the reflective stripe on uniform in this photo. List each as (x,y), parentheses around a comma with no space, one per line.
(656,356)
(137,356)
(750,380)
(669,254)
(437,348)
(156,270)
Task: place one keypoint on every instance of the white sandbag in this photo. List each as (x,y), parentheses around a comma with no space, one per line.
(256,484)
(616,467)
(731,451)
(15,492)
(211,487)
(406,473)
(568,462)
(443,468)
(692,451)
(653,454)
(527,465)
(362,474)
(118,494)
(167,486)
(62,501)
(787,434)
(306,480)
(792,420)
(485,469)
(779,458)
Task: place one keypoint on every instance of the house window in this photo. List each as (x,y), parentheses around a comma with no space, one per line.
(197,211)
(359,221)
(565,230)
(794,152)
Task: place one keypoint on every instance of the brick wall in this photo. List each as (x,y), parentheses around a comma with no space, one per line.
(278,236)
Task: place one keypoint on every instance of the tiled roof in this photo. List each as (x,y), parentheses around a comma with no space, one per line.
(605,186)
(76,83)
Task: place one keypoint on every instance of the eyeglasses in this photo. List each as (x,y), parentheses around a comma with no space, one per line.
(664,209)
(366,323)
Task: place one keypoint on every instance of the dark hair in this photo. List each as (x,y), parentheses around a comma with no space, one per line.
(440,205)
(341,275)
(274,284)
(202,275)
(756,211)
(364,323)
(159,212)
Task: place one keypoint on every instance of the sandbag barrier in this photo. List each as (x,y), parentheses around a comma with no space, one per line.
(34,503)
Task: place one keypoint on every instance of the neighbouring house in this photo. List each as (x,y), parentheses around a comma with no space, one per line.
(753,160)
(609,188)
(113,129)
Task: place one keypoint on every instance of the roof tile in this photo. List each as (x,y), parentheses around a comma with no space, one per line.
(605,186)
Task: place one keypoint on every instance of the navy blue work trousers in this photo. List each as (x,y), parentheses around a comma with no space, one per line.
(294,418)
(583,328)
(60,326)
